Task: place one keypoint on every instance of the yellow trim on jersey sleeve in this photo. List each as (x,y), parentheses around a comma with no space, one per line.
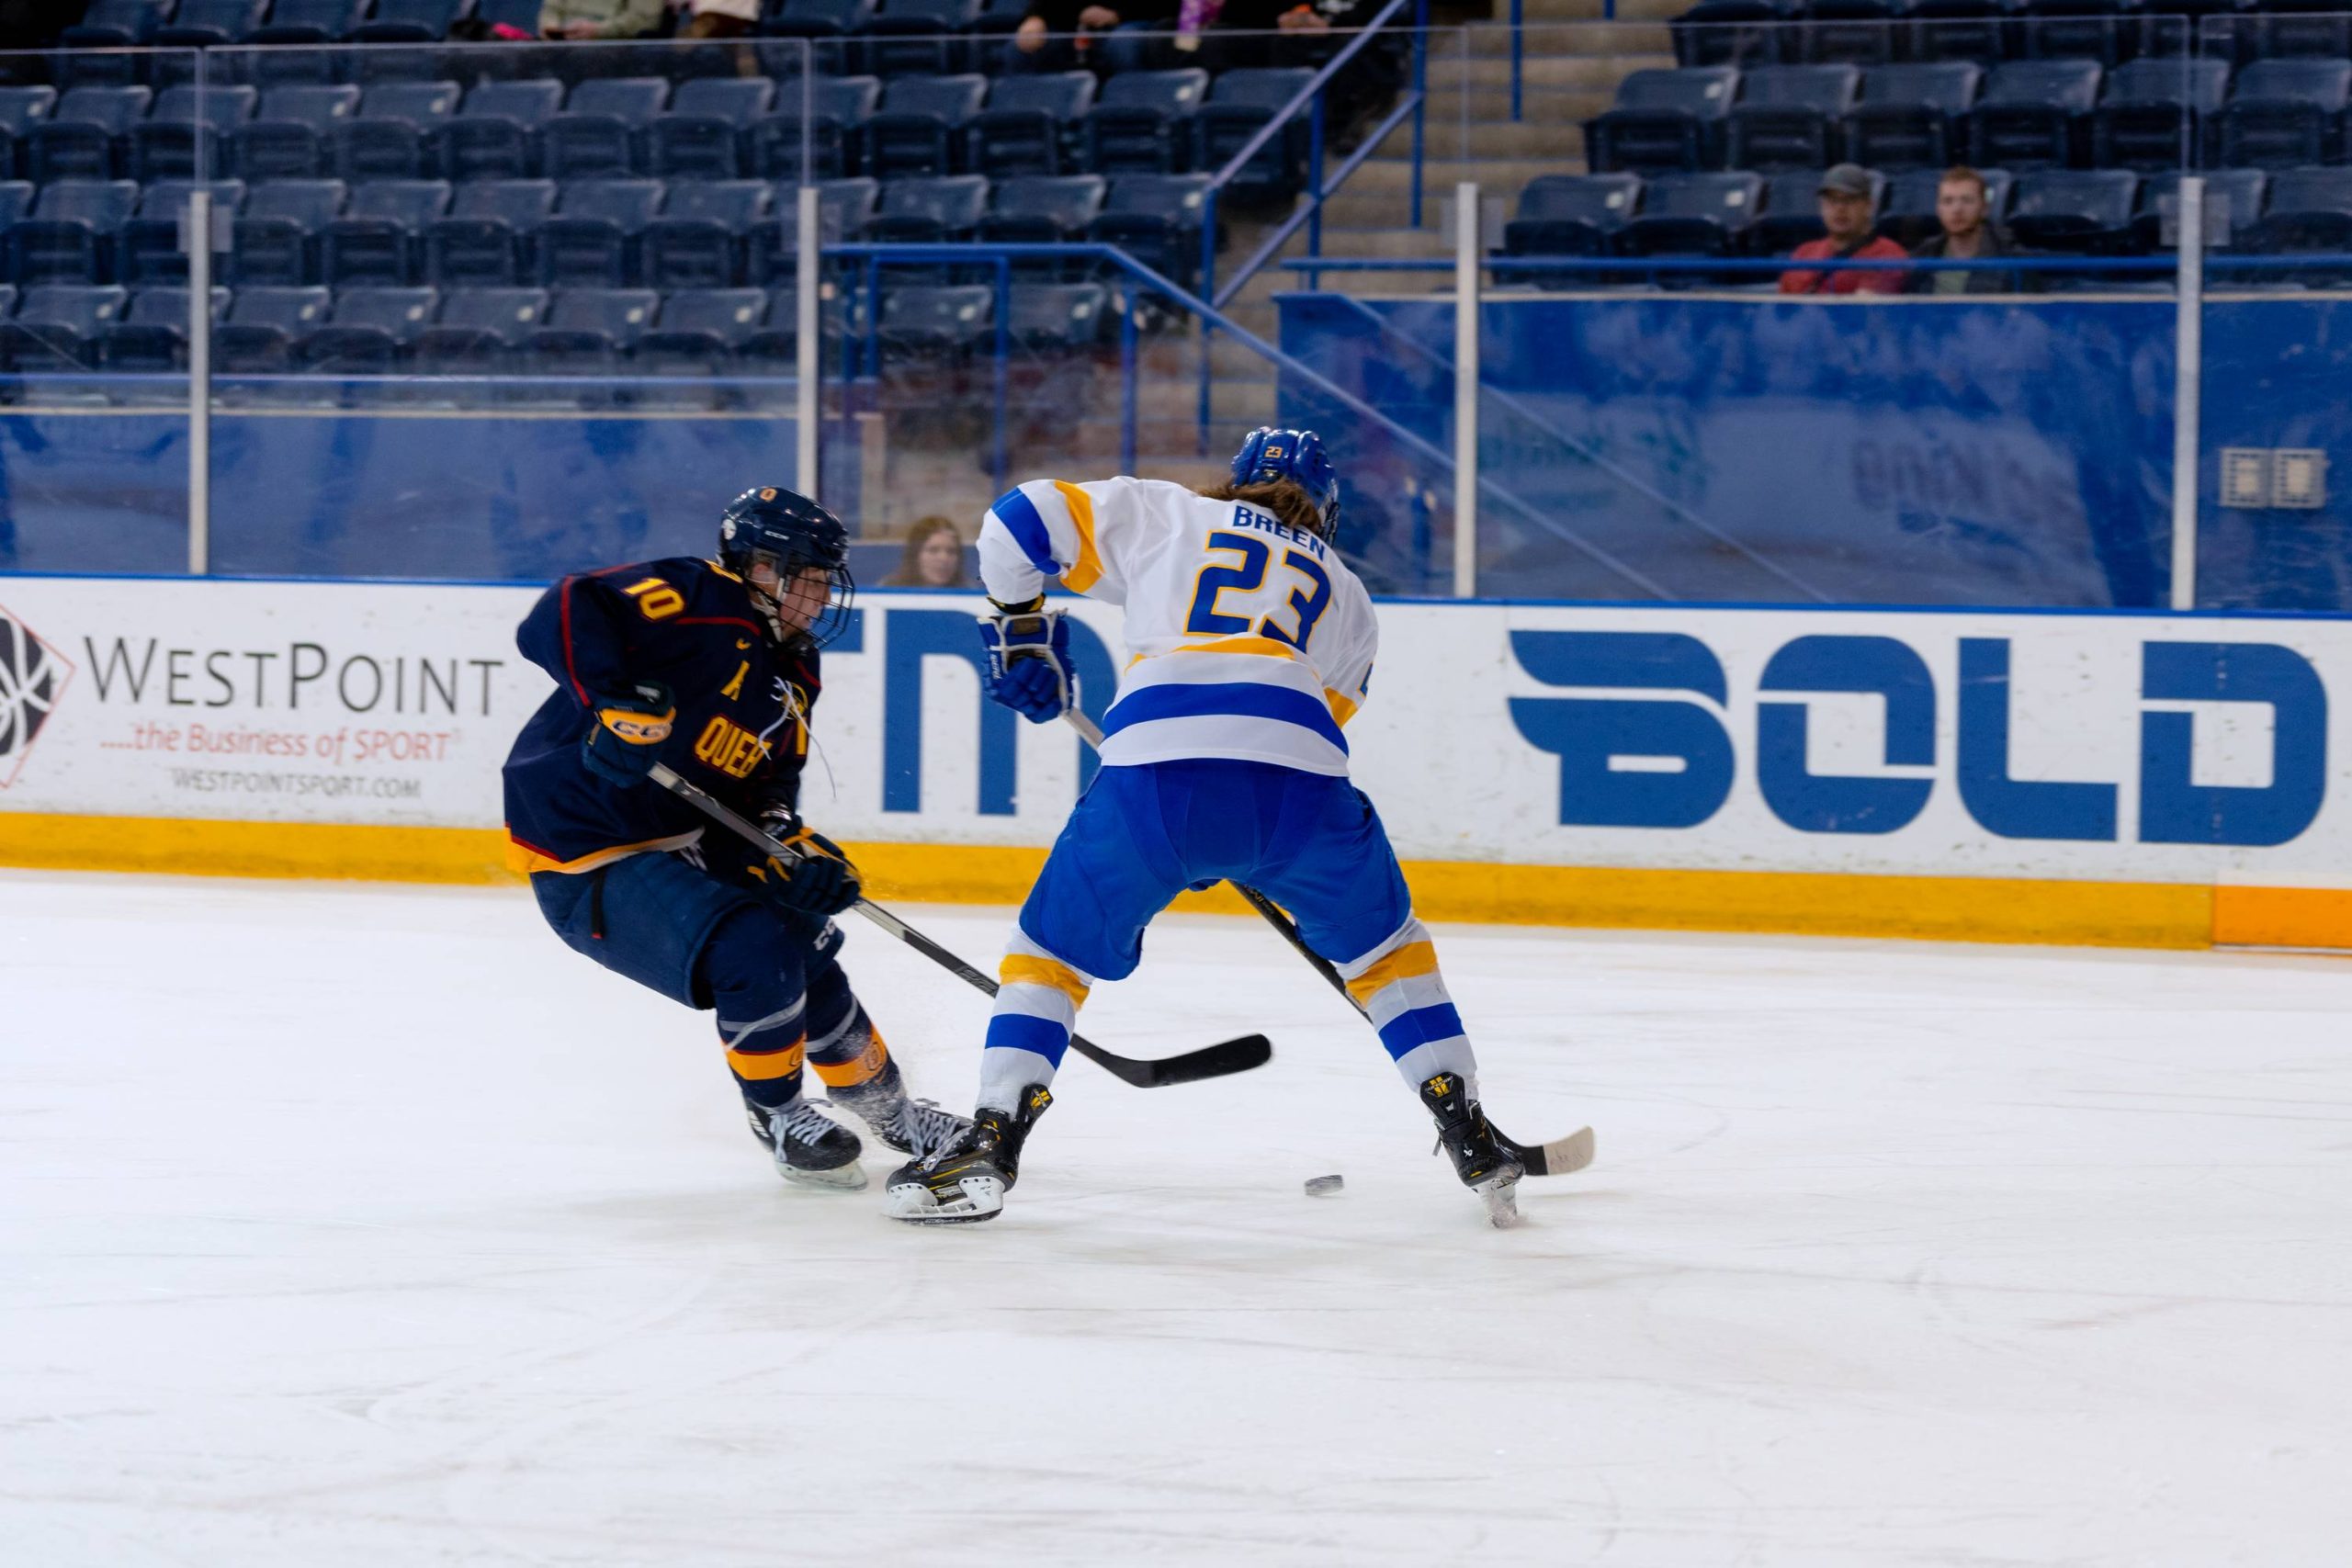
(1270,647)
(1087,570)
(1342,709)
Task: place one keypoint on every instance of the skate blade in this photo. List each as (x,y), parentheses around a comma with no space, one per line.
(915,1203)
(850,1178)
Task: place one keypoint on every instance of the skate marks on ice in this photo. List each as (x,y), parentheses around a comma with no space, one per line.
(445,1248)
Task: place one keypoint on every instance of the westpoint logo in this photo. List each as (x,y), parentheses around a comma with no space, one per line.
(32,676)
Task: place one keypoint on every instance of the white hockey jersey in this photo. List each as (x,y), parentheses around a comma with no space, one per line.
(1246,638)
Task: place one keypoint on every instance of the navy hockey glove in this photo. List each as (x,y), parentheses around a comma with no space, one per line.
(1029,669)
(631,725)
(818,880)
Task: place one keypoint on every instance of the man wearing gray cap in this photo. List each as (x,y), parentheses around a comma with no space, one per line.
(1849,196)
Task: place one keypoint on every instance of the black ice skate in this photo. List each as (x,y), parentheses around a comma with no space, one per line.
(909,1127)
(1487,1164)
(810,1149)
(968,1181)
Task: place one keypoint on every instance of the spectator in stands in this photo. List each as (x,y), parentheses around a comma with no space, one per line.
(1310,35)
(715,18)
(1847,201)
(579,19)
(934,558)
(1968,235)
(1057,35)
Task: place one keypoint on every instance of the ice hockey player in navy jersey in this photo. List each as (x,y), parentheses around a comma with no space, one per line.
(1250,647)
(711,667)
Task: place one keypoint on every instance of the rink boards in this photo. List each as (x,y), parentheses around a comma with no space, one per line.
(2153,780)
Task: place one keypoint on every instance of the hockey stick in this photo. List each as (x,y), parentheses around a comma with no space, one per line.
(1236,1056)
(1558,1157)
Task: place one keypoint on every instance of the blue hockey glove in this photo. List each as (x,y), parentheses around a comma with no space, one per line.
(818,880)
(631,725)
(1029,669)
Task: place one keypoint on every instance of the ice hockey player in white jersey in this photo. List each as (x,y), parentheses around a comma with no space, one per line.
(1225,758)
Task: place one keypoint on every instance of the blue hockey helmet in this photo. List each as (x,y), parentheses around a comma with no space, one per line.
(1270,453)
(771,526)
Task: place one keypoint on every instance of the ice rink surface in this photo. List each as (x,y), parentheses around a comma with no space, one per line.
(352,1227)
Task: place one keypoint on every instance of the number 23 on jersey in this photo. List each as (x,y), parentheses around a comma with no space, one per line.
(1248,575)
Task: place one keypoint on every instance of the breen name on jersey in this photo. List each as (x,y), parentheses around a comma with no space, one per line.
(1248,639)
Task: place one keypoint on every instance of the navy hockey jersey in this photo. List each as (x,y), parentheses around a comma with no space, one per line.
(742,725)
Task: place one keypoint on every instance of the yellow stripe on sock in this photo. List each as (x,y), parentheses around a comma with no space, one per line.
(863,1068)
(1415,958)
(760,1066)
(1023,969)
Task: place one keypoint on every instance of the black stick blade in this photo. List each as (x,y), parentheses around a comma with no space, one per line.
(1220,1060)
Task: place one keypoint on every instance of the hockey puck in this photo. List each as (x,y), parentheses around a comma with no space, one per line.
(1324,1186)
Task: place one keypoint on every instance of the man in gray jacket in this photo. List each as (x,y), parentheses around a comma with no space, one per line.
(599,19)
(1969,234)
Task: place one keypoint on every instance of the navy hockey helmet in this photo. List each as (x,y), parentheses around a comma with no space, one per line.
(1270,453)
(775,527)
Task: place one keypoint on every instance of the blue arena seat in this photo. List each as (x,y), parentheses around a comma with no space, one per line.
(2285,114)
(2309,209)
(597,132)
(591,242)
(817,19)
(930,211)
(1973,32)
(278,235)
(411,21)
(86,137)
(1907,214)
(308,21)
(1571,215)
(906,37)
(936,319)
(699,330)
(1664,121)
(1733,32)
(387,140)
(1788,213)
(702,136)
(2075,29)
(21,110)
(1849,32)
(2153,114)
(1693,214)
(1156,219)
(2074,210)
(2308,28)
(1030,126)
(2235,193)
(263,324)
(379,239)
(495,133)
(1058,317)
(1912,116)
(919,124)
(832,117)
(1044,210)
(588,328)
(165,145)
(112,27)
(845,207)
(371,331)
(70,237)
(148,252)
(483,242)
(2032,113)
(288,136)
(1142,121)
(201,24)
(56,326)
(1788,116)
(479,330)
(151,339)
(699,240)
(1241,103)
